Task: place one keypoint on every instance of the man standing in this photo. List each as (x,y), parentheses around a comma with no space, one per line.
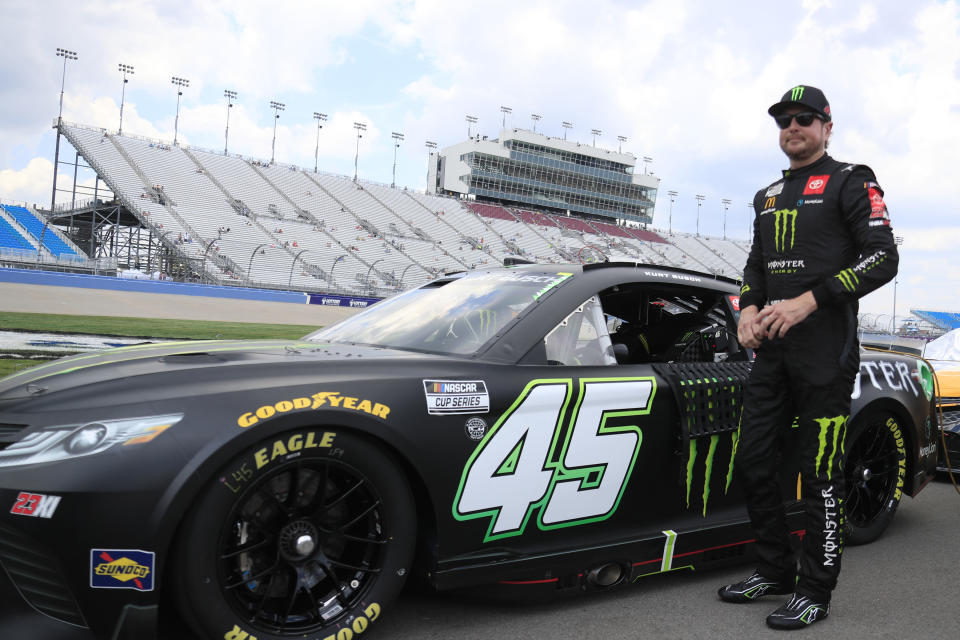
(821,240)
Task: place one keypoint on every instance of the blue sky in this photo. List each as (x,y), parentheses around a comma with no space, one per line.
(686,81)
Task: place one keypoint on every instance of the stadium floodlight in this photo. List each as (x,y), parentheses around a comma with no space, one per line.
(397,139)
(179,83)
(124,69)
(505,111)
(893,323)
(431,145)
(726,205)
(673,198)
(700,200)
(535,117)
(566,125)
(471,120)
(66,55)
(620,141)
(595,132)
(277,108)
(319,117)
(230,96)
(360,127)
(646,160)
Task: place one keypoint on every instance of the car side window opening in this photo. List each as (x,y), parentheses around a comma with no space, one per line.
(669,324)
(581,339)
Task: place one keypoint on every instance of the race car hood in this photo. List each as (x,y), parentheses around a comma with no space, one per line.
(116,367)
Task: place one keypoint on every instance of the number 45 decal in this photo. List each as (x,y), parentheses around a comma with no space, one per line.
(529,461)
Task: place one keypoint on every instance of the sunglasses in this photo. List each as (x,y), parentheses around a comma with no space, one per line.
(804,119)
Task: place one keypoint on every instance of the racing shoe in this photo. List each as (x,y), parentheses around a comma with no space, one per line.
(798,612)
(752,588)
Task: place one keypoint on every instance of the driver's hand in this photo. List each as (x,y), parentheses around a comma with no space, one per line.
(749,332)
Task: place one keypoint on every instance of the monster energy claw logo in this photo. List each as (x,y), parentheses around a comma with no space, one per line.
(783,220)
(848,279)
(796,93)
(838,425)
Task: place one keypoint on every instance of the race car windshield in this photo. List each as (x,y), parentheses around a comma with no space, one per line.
(457,316)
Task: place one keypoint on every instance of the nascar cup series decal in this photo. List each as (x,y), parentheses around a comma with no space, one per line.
(456,396)
(121,569)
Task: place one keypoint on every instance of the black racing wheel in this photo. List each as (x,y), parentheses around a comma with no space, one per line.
(307,534)
(874,472)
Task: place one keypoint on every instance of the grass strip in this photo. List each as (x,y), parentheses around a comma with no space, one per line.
(12,366)
(150,327)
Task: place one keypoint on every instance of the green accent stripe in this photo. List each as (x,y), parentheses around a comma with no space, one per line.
(668,544)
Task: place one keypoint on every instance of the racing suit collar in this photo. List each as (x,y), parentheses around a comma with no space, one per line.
(813,166)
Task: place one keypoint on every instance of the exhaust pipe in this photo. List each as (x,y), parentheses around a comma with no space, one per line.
(606,575)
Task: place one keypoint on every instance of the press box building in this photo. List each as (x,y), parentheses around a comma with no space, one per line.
(526,169)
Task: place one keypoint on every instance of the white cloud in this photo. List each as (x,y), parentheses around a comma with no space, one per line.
(30,184)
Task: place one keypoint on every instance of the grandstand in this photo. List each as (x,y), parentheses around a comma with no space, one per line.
(197,214)
(943,320)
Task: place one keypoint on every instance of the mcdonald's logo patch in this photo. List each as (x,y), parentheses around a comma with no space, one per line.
(770,204)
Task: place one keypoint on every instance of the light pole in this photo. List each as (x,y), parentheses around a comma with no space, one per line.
(334,265)
(595,132)
(369,288)
(360,127)
(471,120)
(750,222)
(179,83)
(726,205)
(566,125)
(893,322)
(535,117)
(673,198)
(277,108)
(230,96)
(66,55)
(620,141)
(505,111)
(319,117)
(430,147)
(295,258)
(397,139)
(700,200)
(124,69)
(646,160)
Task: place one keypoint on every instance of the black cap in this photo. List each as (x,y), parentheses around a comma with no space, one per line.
(803,96)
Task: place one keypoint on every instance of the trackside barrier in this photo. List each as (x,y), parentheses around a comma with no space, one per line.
(353,302)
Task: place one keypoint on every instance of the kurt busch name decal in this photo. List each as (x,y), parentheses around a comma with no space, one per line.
(456,396)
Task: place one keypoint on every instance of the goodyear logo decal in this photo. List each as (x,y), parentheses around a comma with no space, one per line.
(121,569)
(332,399)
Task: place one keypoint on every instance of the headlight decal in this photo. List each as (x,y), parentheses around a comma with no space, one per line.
(64,442)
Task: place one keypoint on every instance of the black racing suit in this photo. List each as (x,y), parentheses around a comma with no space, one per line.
(822,228)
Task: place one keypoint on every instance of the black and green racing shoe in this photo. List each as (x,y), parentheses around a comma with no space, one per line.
(752,588)
(798,612)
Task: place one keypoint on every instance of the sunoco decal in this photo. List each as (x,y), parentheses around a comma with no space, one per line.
(456,396)
(121,569)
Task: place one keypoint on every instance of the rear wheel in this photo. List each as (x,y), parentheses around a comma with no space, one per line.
(874,472)
(308,534)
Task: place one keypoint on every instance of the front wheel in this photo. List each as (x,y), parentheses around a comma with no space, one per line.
(874,472)
(308,534)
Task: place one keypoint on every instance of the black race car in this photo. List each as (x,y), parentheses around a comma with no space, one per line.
(537,426)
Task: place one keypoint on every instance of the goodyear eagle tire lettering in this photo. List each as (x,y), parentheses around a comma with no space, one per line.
(874,472)
(312,537)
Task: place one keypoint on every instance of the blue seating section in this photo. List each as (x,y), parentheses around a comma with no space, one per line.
(10,238)
(945,320)
(34,227)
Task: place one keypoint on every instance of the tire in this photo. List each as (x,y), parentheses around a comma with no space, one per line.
(309,534)
(874,472)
